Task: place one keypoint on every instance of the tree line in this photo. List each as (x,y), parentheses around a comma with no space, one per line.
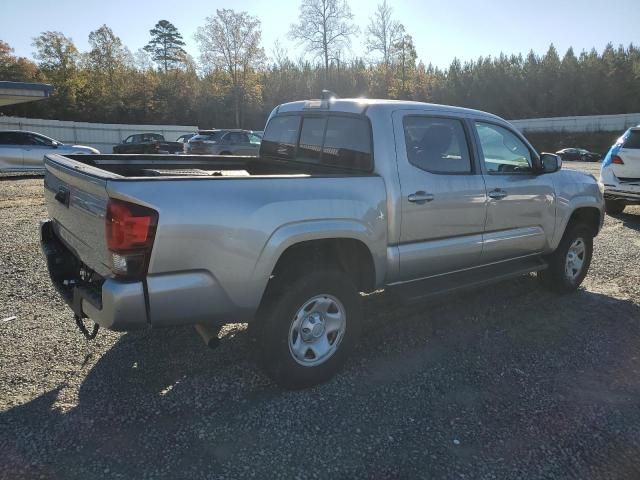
(234,82)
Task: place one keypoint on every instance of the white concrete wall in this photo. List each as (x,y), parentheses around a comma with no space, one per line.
(587,123)
(102,136)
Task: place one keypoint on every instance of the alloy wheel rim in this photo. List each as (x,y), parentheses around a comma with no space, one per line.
(316,330)
(574,261)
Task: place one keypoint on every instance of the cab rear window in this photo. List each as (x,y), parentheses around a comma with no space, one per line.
(329,140)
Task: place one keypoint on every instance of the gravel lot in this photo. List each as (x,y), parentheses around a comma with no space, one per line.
(506,382)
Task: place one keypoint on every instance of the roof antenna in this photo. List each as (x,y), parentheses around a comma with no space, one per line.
(328,95)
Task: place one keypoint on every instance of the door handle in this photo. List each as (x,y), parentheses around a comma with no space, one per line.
(497,194)
(420,197)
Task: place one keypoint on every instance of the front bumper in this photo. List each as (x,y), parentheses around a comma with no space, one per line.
(622,193)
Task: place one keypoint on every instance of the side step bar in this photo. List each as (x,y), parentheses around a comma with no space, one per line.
(467,279)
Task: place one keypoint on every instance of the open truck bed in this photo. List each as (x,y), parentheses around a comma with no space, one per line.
(162,166)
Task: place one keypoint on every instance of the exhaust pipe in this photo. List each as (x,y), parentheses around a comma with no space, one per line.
(209,335)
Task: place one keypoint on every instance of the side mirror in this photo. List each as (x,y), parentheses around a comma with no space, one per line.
(550,163)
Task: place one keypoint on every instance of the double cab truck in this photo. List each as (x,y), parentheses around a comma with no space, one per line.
(346,196)
(148,143)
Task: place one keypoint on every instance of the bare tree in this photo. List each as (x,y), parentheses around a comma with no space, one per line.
(230,41)
(325,27)
(383,32)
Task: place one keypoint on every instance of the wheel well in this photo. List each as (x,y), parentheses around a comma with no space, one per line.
(349,255)
(589,216)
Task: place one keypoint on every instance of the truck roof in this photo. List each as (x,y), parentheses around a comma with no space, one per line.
(361,105)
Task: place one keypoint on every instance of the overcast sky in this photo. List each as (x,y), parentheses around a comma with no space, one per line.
(441,29)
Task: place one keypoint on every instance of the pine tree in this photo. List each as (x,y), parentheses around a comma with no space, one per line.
(166,45)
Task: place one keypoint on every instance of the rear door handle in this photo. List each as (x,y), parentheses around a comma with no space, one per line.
(497,194)
(420,197)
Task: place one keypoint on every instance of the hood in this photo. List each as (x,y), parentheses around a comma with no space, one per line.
(79,148)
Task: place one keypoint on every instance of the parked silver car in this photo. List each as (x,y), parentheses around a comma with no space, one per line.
(20,150)
(224,142)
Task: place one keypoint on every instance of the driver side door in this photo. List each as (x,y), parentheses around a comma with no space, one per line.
(521,206)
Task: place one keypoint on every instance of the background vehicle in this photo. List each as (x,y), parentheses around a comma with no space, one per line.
(620,172)
(347,196)
(224,142)
(21,150)
(185,138)
(578,154)
(147,143)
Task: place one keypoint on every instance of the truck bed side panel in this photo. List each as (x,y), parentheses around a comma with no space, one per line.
(233,228)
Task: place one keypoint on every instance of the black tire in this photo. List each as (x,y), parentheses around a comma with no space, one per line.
(555,277)
(614,207)
(278,315)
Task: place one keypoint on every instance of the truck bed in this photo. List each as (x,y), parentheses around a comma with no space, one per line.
(139,166)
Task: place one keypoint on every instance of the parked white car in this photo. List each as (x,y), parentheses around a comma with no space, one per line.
(21,150)
(620,172)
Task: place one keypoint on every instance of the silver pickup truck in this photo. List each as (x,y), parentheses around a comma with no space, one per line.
(347,196)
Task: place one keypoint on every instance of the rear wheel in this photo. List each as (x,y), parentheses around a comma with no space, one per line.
(614,207)
(569,264)
(309,327)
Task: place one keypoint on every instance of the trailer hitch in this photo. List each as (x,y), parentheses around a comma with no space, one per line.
(88,335)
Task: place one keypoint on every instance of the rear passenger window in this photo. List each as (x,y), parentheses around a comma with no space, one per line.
(347,143)
(281,137)
(633,140)
(437,145)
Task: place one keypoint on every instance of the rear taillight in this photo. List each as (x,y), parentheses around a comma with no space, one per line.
(130,231)
(617,160)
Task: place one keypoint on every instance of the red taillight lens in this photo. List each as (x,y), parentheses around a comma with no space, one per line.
(617,160)
(130,231)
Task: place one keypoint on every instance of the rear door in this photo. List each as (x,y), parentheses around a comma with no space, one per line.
(521,209)
(443,195)
(11,151)
(629,170)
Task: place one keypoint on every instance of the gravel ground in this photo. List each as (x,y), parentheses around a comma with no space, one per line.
(505,382)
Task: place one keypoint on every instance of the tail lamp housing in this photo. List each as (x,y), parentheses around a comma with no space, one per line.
(130,232)
(617,160)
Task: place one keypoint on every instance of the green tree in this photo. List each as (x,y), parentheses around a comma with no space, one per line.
(405,60)
(58,58)
(166,45)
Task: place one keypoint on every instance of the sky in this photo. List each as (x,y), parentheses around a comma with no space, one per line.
(442,30)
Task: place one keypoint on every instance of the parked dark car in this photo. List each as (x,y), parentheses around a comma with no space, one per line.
(578,154)
(224,142)
(147,143)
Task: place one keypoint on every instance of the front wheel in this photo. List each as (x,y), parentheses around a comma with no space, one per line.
(569,264)
(309,328)
(614,207)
